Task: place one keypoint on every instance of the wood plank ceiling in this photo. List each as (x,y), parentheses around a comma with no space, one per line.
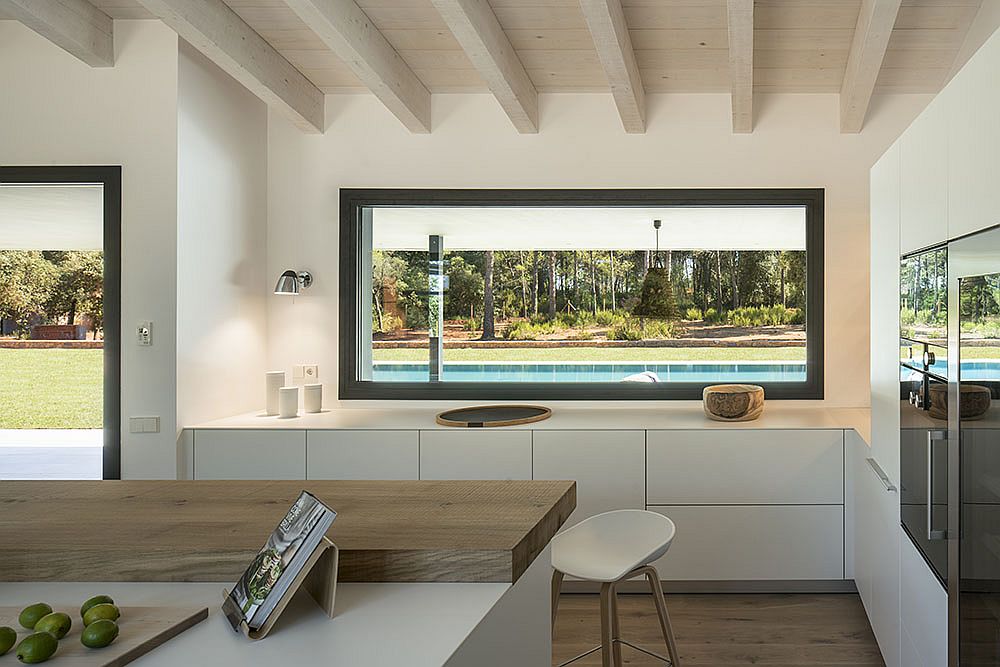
(680,46)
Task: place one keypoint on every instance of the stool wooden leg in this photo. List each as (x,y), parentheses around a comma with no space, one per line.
(661,610)
(557,579)
(606,633)
(616,632)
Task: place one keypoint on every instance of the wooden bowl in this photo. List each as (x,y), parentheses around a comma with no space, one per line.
(733,402)
(973,401)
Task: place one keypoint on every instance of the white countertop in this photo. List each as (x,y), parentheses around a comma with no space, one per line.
(776,415)
(419,625)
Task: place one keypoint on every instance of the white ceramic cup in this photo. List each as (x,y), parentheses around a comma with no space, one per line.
(275,381)
(288,402)
(312,397)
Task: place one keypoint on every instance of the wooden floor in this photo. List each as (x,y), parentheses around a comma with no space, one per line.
(721,630)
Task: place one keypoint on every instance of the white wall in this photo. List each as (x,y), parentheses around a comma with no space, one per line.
(57,110)
(221,235)
(689,143)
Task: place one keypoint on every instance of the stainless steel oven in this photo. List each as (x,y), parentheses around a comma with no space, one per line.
(923,417)
(923,455)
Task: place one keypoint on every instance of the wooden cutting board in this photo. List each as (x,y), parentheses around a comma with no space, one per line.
(142,630)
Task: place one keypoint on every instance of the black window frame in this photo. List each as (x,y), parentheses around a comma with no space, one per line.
(354,200)
(110,177)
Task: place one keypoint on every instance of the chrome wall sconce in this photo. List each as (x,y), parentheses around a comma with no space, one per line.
(290,282)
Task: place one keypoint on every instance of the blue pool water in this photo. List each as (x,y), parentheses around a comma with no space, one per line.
(981,369)
(596,372)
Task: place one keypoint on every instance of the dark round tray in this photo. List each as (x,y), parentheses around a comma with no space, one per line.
(484,416)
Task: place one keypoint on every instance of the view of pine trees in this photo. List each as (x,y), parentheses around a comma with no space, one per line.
(51,286)
(494,290)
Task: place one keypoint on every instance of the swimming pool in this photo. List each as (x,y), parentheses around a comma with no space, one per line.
(769,371)
(979,369)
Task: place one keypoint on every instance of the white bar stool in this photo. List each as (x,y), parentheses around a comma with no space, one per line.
(611,548)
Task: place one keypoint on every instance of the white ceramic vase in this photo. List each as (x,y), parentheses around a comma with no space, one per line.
(288,402)
(312,397)
(275,381)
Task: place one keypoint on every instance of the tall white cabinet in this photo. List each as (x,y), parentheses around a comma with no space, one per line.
(936,183)
(923,178)
(974,143)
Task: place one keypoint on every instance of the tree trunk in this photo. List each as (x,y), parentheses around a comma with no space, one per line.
(784,303)
(378,308)
(614,304)
(645,265)
(71,316)
(734,266)
(534,282)
(576,278)
(524,283)
(552,284)
(593,283)
(718,267)
(489,329)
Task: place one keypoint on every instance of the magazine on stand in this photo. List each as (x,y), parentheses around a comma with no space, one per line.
(276,566)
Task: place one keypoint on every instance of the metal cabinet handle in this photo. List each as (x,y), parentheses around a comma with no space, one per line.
(932,437)
(889,486)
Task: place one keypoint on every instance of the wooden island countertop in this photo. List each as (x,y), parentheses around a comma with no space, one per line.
(387,531)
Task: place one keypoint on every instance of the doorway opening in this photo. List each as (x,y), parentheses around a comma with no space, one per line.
(60,242)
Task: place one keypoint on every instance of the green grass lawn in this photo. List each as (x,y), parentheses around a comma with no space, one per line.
(612,354)
(53,388)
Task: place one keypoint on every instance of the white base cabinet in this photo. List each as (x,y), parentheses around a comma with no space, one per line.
(876,552)
(749,504)
(475,454)
(786,467)
(754,542)
(609,468)
(923,608)
(249,454)
(363,454)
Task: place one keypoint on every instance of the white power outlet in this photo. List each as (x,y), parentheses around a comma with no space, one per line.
(308,372)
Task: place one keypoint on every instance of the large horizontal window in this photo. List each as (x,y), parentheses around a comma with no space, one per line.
(580,294)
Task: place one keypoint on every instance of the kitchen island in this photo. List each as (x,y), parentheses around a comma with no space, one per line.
(433,573)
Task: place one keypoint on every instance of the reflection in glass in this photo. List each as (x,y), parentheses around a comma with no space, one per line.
(979,538)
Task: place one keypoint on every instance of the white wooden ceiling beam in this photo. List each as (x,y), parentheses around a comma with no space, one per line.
(606,21)
(476,28)
(73,25)
(871,38)
(740,17)
(349,33)
(226,39)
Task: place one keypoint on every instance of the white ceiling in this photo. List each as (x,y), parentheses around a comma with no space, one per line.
(512,228)
(51,217)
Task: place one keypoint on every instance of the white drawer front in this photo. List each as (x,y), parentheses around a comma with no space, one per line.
(745,467)
(249,454)
(923,605)
(743,542)
(608,467)
(475,454)
(363,454)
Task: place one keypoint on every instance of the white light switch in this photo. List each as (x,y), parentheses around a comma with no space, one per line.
(143,424)
(144,333)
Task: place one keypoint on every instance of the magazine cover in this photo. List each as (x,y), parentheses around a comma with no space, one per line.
(276,565)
